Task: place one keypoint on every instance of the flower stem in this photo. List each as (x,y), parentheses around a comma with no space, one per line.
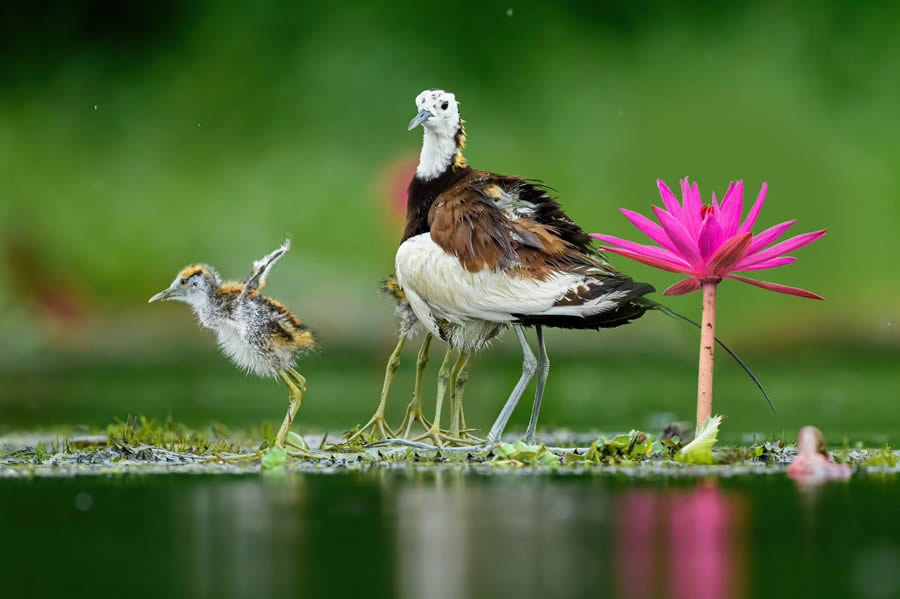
(707,349)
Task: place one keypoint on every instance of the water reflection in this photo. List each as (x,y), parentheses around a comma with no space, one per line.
(680,544)
(441,534)
(504,537)
(538,538)
(240,538)
(445,534)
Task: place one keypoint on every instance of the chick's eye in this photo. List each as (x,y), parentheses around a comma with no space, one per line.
(445,105)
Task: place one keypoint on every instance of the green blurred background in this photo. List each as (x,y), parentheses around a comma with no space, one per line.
(138,137)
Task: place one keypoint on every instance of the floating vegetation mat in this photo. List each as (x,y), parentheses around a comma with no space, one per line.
(146,446)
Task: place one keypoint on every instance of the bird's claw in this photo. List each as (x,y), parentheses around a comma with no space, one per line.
(380,430)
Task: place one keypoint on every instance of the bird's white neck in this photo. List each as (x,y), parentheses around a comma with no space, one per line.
(208,311)
(438,153)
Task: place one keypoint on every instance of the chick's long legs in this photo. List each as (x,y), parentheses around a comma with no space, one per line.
(529,365)
(414,412)
(461,380)
(377,423)
(434,431)
(457,432)
(296,384)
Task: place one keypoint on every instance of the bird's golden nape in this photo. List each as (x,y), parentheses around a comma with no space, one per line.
(257,333)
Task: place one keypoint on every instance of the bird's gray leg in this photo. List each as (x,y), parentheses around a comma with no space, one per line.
(543,369)
(529,364)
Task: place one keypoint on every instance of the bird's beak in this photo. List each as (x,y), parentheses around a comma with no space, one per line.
(420,118)
(161,296)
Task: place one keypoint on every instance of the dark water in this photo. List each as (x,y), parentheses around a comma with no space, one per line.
(447,534)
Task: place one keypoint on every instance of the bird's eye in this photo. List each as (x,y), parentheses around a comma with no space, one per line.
(445,105)
(184,281)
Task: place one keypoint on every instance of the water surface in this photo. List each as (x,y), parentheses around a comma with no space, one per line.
(448,534)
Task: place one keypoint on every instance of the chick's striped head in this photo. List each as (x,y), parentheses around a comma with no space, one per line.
(193,285)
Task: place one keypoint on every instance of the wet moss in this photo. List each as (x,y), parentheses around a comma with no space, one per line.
(139,444)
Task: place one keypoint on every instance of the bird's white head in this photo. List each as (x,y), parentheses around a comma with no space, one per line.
(438,112)
(194,285)
(445,136)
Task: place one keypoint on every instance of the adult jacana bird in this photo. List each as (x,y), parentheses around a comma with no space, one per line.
(256,332)
(483,251)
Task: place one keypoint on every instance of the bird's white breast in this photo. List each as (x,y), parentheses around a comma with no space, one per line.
(438,286)
(232,338)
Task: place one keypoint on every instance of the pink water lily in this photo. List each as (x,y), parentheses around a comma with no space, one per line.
(709,243)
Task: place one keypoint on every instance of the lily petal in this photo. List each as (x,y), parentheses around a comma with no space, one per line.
(729,254)
(691,209)
(654,262)
(728,194)
(680,237)
(754,212)
(785,247)
(766,264)
(732,206)
(649,228)
(710,237)
(669,199)
(650,251)
(778,288)
(768,236)
(683,287)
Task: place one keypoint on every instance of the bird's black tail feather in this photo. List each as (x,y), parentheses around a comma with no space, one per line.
(652,305)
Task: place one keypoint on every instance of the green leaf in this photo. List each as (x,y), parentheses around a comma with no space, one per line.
(505,450)
(699,451)
(641,444)
(274,458)
(532,455)
(297,441)
(548,458)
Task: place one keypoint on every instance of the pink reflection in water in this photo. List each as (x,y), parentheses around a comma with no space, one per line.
(680,544)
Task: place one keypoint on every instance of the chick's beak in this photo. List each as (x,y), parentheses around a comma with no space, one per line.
(162,295)
(420,118)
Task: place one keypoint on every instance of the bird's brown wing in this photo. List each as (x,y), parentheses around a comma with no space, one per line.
(480,222)
(526,198)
